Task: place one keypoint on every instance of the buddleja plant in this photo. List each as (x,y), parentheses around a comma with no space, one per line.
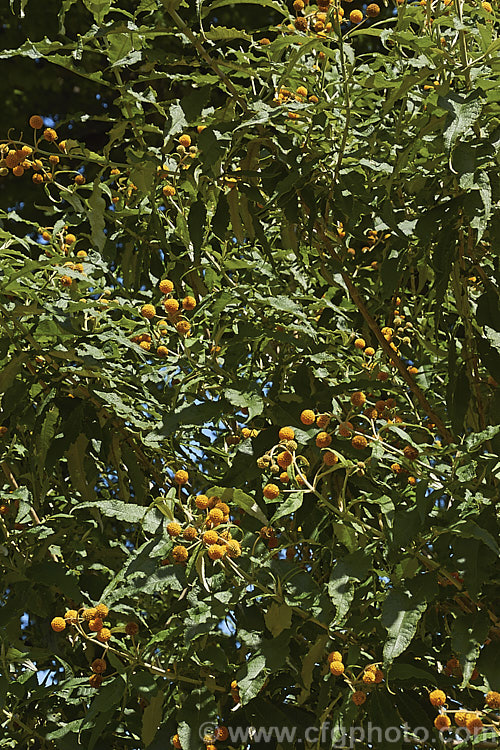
(249,354)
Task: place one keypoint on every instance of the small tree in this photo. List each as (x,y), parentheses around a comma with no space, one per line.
(250,331)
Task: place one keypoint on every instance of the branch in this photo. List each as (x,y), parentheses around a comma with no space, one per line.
(203,53)
(358,301)
(34,515)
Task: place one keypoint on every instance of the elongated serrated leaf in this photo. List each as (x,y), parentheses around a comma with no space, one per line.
(128,512)
(241,499)
(292,503)
(463,113)
(400,616)
(196,223)
(277,618)
(263,3)
(151,718)
(340,591)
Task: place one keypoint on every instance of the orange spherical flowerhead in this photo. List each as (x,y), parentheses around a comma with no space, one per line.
(66,280)
(168,191)
(71,616)
(36,122)
(188,303)
(334,656)
(98,666)
(358,398)
(173,528)
(181,477)
(358,697)
(221,734)
(79,179)
(201,502)
(171,306)
(286,433)
(148,311)
(233,548)
(442,722)
(210,537)
(323,439)
(271,491)
(359,343)
(410,452)
(330,458)
(284,459)
(368,677)
(323,420)
(345,429)
(183,327)
(216,551)
(166,286)
(190,533)
(131,628)
(50,135)
(102,611)
(359,442)
(95,680)
(104,635)
(89,614)
(162,351)
(474,723)
(185,140)
(379,676)
(336,668)
(461,718)
(492,699)
(372,10)
(369,351)
(307,417)
(58,624)
(180,554)
(95,625)
(437,698)
(216,515)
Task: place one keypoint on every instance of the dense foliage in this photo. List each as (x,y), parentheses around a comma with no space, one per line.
(249,359)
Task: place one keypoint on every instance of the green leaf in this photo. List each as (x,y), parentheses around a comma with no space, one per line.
(151,718)
(278,618)
(262,3)
(292,503)
(97,206)
(98,8)
(255,675)
(9,373)
(45,436)
(196,224)
(222,33)
(400,616)
(314,656)
(469,528)
(198,713)
(220,221)
(341,592)
(241,499)
(464,111)
(474,441)
(128,512)
(249,399)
